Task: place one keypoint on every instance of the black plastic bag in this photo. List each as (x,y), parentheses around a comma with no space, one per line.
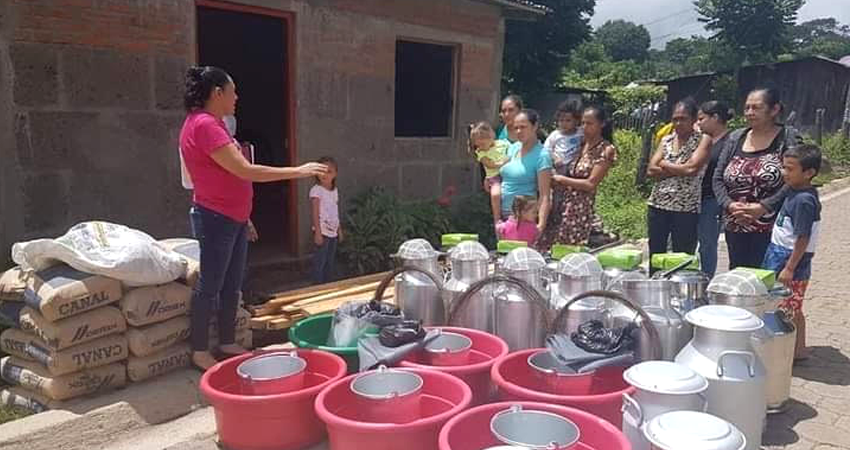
(354,319)
(402,333)
(594,337)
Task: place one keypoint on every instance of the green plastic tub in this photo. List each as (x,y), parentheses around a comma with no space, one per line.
(312,332)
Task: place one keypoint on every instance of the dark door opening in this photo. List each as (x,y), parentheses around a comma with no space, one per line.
(252,48)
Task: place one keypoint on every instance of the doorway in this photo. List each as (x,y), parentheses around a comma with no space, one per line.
(252,46)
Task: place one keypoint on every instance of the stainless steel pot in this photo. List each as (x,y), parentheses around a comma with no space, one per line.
(558,378)
(569,286)
(532,429)
(388,395)
(689,288)
(691,430)
(660,387)
(470,261)
(447,349)
(722,352)
(521,316)
(656,297)
(272,373)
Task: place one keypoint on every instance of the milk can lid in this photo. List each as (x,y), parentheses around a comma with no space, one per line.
(693,431)
(737,282)
(724,318)
(469,251)
(416,249)
(580,265)
(523,258)
(665,377)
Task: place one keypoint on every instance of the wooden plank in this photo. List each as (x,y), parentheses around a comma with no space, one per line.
(280,324)
(336,285)
(333,304)
(261,323)
(356,290)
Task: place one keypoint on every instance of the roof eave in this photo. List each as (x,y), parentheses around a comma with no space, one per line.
(539,10)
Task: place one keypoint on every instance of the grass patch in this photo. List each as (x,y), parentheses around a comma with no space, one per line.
(620,203)
(10,413)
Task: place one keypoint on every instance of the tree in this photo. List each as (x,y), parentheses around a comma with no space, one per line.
(823,37)
(624,40)
(759,30)
(537,51)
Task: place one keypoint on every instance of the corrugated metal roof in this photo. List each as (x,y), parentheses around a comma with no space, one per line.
(523,5)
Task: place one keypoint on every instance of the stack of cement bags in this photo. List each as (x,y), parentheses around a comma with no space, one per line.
(69,337)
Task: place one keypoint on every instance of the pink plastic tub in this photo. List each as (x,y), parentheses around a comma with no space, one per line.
(470,430)
(486,349)
(443,397)
(516,381)
(284,421)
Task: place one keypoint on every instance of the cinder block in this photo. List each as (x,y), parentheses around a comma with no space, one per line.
(169,75)
(46,204)
(460,176)
(103,78)
(420,181)
(61,139)
(36,74)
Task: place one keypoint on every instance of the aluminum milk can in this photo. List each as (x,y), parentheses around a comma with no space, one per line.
(417,295)
(660,387)
(691,430)
(722,352)
(521,317)
(469,261)
(657,300)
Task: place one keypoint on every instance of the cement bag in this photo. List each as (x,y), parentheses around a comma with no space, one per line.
(75,330)
(152,304)
(244,338)
(172,358)
(243,319)
(35,377)
(150,339)
(13,282)
(190,251)
(96,353)
(62,291)
(107,249)
(22,398)
(10,313)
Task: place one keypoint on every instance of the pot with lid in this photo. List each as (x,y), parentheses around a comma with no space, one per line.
(418,291)
(722,352)
(660,387)
(692,430)
(469,262)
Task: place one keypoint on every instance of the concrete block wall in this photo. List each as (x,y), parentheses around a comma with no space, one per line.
(92,104)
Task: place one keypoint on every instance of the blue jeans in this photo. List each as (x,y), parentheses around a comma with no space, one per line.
(709,232)
(224,251)
(324,260)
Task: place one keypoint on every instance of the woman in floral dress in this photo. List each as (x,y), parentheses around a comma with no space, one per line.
(575,193)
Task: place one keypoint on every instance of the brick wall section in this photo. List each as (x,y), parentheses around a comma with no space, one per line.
(95,107)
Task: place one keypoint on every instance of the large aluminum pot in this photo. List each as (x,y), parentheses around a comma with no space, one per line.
(660,387)
(470,264)
(692,430)
(272,373)
(521,314)
(722,352)
(774,343)
(689,288)
(530,429)
(388,395)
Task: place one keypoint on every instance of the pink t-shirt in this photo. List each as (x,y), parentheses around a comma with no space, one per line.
(517,231)
(215,187)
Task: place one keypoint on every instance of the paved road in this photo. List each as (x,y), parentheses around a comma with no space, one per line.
(819,413)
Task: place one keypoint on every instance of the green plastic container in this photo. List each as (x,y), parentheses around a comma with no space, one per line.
(507,246)
(558,251)
(620,258)
(313,332)
(453,239)
(768,277)
(667,261)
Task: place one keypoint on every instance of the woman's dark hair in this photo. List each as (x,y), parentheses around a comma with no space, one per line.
(200,82)
(521,204)
(515,99)
(771,96)
(532,115)
(568,107)
(689,105)
(715,108)
(607,125)
(328,161)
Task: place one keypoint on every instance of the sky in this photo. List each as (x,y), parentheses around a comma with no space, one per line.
(670,19)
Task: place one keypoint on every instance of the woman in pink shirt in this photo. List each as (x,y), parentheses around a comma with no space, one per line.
(222,198)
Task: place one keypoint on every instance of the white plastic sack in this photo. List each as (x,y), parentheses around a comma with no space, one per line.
(107,249)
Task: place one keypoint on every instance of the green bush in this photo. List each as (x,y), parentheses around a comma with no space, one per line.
(472,214)
(836,149)
(377,222)
(619,202)
(627,99)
